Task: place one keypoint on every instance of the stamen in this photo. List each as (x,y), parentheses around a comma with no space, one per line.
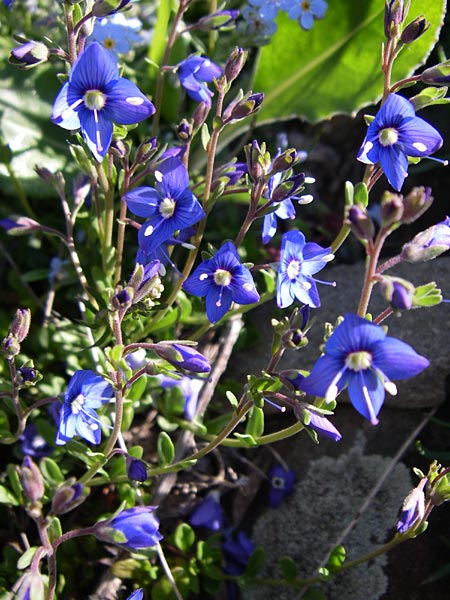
(277,406)
(373,419)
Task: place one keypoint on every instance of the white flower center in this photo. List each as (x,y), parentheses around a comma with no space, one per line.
(167,208)
(277,483)
(94,99)
(222,277)
(388,136)
(359,361)
(293,269)
(77,404)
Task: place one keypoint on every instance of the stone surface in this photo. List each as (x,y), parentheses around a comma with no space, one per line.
(426,330)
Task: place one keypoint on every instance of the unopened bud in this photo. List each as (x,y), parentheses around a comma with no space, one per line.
(437,75)
(391,209)
(31,479)
(398,292)
(428,244)
(184,131)
(394,14)
(200,114)
(284,161)
(183,357)
(360,223)
(67,498)
(414,30)
(136,469)
(122,299)
(20,324)
(235,64)
(416,203)
(104,8)
(217,20)
(146,150)
(29,55)
(258,160)
(249,105)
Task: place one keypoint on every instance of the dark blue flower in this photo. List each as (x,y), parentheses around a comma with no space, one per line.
(193,72)
(95,97)
(168,207)
(223,280)
(208,513)
(134,528)
(413,509)
(298,262)
(395,134)
(136,469)
(281,482)
(360,355)
(237,553)
(86,391)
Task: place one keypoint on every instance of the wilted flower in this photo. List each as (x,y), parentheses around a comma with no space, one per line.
(95,97)
(298,262)
(208,513)
(395,134)
(168,207)
(359,355)
(134,528)
(86,391)
(281,482)
(223,280)
(193,72)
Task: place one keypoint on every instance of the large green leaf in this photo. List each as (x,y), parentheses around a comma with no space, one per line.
(335,67)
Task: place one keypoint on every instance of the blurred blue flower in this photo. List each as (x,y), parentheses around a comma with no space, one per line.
(298,262)
(208,513)
(33,444)
(237,553)
(168,207)
(360,355)
(137,595)
(134,528)
(117,33)
(395,134)
(305,12)
(281,482)
(259,17)
(190,388)
(86,391)
(95,96)
(223,280)
(193,72)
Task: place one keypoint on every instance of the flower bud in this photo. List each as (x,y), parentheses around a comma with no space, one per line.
(360,223)
(428,244)
(149,283)
(235,64)
(391,209)
(416,203)
(289,188)
(413,509)
(136,469)
(200,114)
(29,55)
(437,75)
(67,498)
(31,479)
(184,130)
(183,357)
(217,20)
(146,150)
(439,491)
(122,299)
(29,587)
(249,105)
(394,14)
(284,161)
(20,324)
(104,8)
(258,160)
(398,292)
(414,30)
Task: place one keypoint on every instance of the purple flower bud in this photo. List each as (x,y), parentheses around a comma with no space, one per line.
(394,14)
(208,513)
(19,225)
(26,374)
(146,150)
(391,209)
(184,130)
(428,244)
(316,421)
(216,20)
(134,528)
(413,509)
(29,55)
(235,64)
(136,360)
(20,324)
(136,469)
(437,75)
(416,203)
(281,483)
(414,30)
(67,498)
(249,105)
(31,479)
(29,587)
(401,297)
(183,357)
(122,299)
(104,8)
(360,223)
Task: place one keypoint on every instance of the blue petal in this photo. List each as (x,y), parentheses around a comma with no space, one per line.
(143,201)
(366,393)
(419,138)
(394,110)
(97,392)
(94,69)
(243,289)
(126,104)
(218,301)
(87,425)
(62,114)
(322,375)
(397,360)
(201,280)
(173,178)
(285,292)
(353,335)
(285,210)
(155,232)
(269,228)
(97,131)
(394,163)
(67,425)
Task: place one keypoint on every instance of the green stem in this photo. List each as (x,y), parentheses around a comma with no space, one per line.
(20,193)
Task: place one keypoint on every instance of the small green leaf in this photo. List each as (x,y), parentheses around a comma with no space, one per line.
(337,557)
(361,194)
(247,439)
(4,424)
(51,472)
(256,562)
(232,399)
(7,497)
(54,529)
(255,422)
(288,567)
(205,137)
(166,449)
(324,574)
(430,96)
(26,558)
(184,537)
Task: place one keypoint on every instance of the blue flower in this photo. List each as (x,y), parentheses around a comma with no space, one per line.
(168,207)
(183,357)
(86,391)
(237,553)
(116,33)
(136,469)
(137,595)
(259,16)
(313,418)
(360,355)
(395,134)
(189,387)
(305,12)
(33,444)
(193,72)
(208,513)
(413,509)
(298,262)
(281,482)
(223,280)
(95,96)
(134,528)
